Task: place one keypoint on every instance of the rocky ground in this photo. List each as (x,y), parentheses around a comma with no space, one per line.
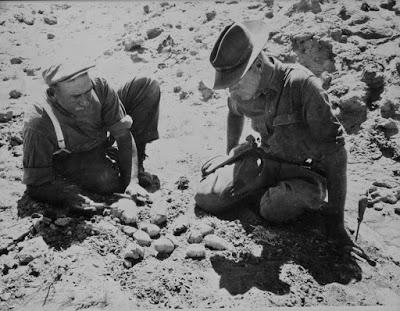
(110,260)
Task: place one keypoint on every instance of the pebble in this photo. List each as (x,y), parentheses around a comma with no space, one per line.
(151,229)
(206,92)
(133,251)
(28,20)
(210,15)
(153,33)
(63,221)
(50,20)
(6,116)
(31,249)
(196,251)
(5,296)
(205,229)
(142,238)
(126,210)
(180,225)
(195,237)
(133,44)
(129,230)
(50,36)
(397,210)
(269,14)
(378,206)
(183,95)
(215,242)
(164,245)
(177,89)
(146,9)
(14,94)
(159,214)
(128,264)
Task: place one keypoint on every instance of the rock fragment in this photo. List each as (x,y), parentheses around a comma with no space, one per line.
(153,33)
(205,229)
(177,89)
(388,4)
(142,238)
(146,9)
(180,225)
(215,242)
(16,60)
(133,251)
(6,116)
(63,221)
(126,210)
(32,249)
(182,183)
(196,251)
(22,18)
(15,94)
(151,229)
(133,44)
(397,210)
(164,245)
(269,14)
(129,230)
(210,15)
(50,20)
(50,36)
(159,214)
(195,236)
(206,92)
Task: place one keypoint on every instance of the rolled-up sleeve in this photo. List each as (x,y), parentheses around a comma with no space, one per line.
(113,112)
(38,152)
(324,126)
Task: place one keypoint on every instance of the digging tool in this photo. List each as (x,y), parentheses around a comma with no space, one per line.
(362,206)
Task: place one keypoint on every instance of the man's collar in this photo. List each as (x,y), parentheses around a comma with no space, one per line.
(273,81)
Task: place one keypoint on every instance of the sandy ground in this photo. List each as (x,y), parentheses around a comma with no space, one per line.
(79,264)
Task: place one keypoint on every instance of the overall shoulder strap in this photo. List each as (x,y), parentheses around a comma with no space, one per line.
(57,128)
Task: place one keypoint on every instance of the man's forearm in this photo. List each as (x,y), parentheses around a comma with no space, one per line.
(234,130)
(336,170)
(128,159)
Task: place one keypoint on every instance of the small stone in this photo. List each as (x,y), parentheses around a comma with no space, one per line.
(151,229)
(32,249)
(196,251)
(164,4)
(129,230)
(142,238)
(133,44)
(137,59)
(269,14)
(127,264)
(159,214)
(210,15)
(62,222)
(206,92)
(378,206)
(215,242)
(205,229)
(28,20)
(14,94)
(195,237)
(180,225)
(5,296)
(133,251)
(16,60)
(254,6)
(50,36)
(177,89)
(397,210)
(146,9)
(6,116)
(179,73)
(183,95)
(153,33)
(126,210)
(164,246)
(182,183)
(50,20)
(29,71)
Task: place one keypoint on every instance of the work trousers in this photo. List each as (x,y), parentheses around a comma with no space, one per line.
(96,170)
(294,189)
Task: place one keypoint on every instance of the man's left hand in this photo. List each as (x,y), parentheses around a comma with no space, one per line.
(137,192)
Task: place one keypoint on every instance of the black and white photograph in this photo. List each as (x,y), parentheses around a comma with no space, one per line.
(200,155)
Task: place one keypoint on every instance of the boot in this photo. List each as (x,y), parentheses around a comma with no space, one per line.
(146,180)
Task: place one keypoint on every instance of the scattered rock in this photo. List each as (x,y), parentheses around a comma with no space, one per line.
(390,103)
(177,89)
(151,229)
(183,95)
(6,116)
(137,59)
(379,206)
(165,45)
(127,264)
(210,15)
(196,251)
(367,7)
(326,80)
(205,229)
(133,251)
(269,14)
(29,71)
(388,4)
(142,238)
(2,22)
(146,9)
(16,60)
(126,210)
(206,92)
(397,210)
(195,236)
(182,183)
(343,13)
(153,33)
(63,221)
(133,44)
(305,6)
(373,76)
(22,18)
(180,225)
(14,94)
(5,296)
(164,4)
(31,249)
(129,230)
(50,36)
(50,20)
(215,242)
(254,6)
(384,184)
(370,31)
(159,214)
(164,245)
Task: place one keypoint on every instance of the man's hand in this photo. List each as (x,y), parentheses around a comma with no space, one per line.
(137,192)
(84,205)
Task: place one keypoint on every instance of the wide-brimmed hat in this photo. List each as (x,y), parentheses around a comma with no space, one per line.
(235,51)
(64,71)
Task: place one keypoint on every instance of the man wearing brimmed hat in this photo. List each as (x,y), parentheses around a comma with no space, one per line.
(69,132)
(302,139)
